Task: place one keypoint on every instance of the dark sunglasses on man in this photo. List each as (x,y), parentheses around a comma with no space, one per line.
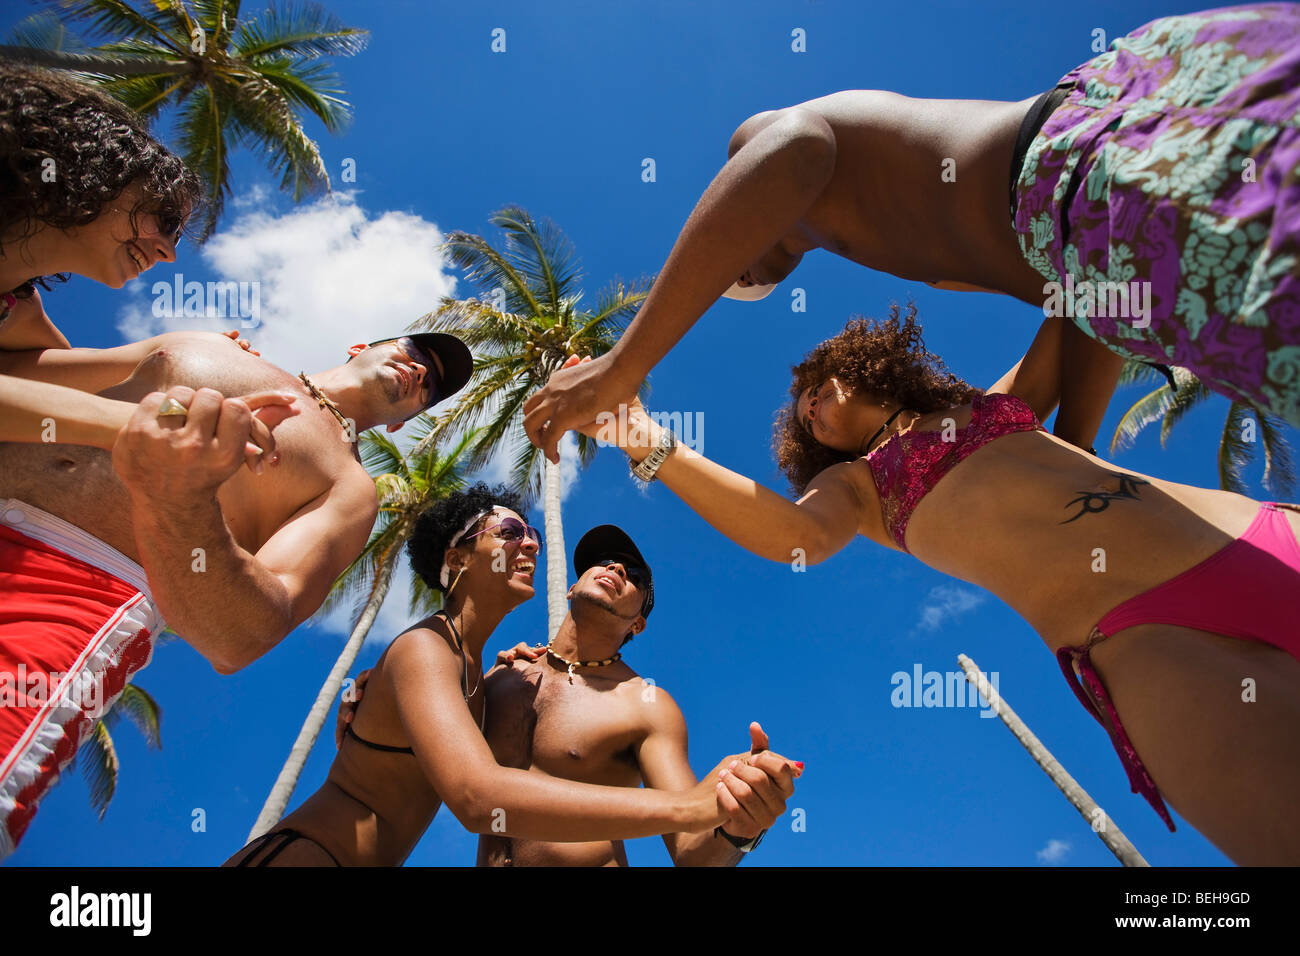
(421,355)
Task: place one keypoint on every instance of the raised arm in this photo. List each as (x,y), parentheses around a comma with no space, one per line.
(767,186)
(1063,366)
(502,801)
(811,529)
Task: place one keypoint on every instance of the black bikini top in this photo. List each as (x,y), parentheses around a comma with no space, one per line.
(464,679)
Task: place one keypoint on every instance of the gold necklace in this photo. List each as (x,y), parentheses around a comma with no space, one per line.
(572,664)
(327,403)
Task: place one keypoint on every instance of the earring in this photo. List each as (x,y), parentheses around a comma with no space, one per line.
(453,584)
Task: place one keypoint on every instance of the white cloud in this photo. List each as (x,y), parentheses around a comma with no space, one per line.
(1054,853)
(945,602)
(329,275)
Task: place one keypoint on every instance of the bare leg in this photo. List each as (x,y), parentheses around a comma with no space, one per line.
(1229,766)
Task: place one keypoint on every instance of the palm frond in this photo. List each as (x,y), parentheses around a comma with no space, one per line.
(116,20)
(266,122)
(1234,451)
(97,760)
(542,254)
(1134,372)
(45,31)
(138,706)
(380,454)
(526,472)
(312,86)
(299,30)
(1191,392)
(147,95)
(1147,409)
(1279,469)
(489,270)
(203,142)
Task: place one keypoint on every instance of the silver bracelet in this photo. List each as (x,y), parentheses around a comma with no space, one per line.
(650,464)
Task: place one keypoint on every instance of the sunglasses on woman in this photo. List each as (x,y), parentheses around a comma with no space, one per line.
(511,529)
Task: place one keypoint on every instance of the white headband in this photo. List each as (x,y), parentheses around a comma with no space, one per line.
(444,576)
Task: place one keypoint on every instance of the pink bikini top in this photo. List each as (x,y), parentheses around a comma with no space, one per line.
(908,465)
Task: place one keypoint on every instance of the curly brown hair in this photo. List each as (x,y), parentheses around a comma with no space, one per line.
(884,357)
(98,146)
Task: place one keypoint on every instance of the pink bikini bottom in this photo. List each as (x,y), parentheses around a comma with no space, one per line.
(1249,589)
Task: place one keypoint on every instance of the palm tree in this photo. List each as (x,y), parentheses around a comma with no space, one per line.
(97,756)
(1237,445)
(233,80)
(407,483)
(524,327)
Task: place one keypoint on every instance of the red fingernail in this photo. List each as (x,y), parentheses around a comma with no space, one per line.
(799,764)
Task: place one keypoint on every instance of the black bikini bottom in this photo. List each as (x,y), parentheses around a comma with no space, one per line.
(289,836)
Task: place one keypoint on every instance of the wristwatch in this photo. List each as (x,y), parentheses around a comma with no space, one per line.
(740,843)
(646,470)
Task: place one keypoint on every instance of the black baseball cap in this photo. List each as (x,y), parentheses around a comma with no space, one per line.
(606,541)
(455,356)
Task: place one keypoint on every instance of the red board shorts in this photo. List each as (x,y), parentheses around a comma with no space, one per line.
(76,621)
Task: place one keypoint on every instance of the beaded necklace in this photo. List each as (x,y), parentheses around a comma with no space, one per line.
(572,664)
(325,402)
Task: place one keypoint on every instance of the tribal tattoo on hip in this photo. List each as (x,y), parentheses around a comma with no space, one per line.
(1095,502)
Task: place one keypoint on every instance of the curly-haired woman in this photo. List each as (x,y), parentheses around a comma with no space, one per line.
(84,189)
(422,722)
(1200,594)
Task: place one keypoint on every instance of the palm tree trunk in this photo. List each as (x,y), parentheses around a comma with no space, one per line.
(1110,834)
(278,800)
(557,558)
(86,63)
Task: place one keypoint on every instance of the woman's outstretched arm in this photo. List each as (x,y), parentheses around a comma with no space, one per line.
(1064,367)
(813,528)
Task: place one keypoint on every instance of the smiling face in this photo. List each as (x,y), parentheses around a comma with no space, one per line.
(399,378)
(112,250)
(612,584)
(499,565)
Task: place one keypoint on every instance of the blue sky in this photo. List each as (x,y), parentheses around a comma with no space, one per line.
(445,132)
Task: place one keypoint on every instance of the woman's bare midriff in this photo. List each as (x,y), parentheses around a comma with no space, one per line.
(1013,518)
(341,815)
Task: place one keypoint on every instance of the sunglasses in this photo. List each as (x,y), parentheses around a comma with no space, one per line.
(511,529)
(637,574)
(412,348)
(170,227)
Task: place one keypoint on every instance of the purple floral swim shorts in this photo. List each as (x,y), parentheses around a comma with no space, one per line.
(1167,187)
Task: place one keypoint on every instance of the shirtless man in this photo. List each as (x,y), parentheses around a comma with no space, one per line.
(601,723)
(598,721)
(98,549)
(858,173)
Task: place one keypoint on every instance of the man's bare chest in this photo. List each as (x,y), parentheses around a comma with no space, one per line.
(588,730)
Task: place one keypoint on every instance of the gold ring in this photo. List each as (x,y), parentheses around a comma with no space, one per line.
(171,408)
